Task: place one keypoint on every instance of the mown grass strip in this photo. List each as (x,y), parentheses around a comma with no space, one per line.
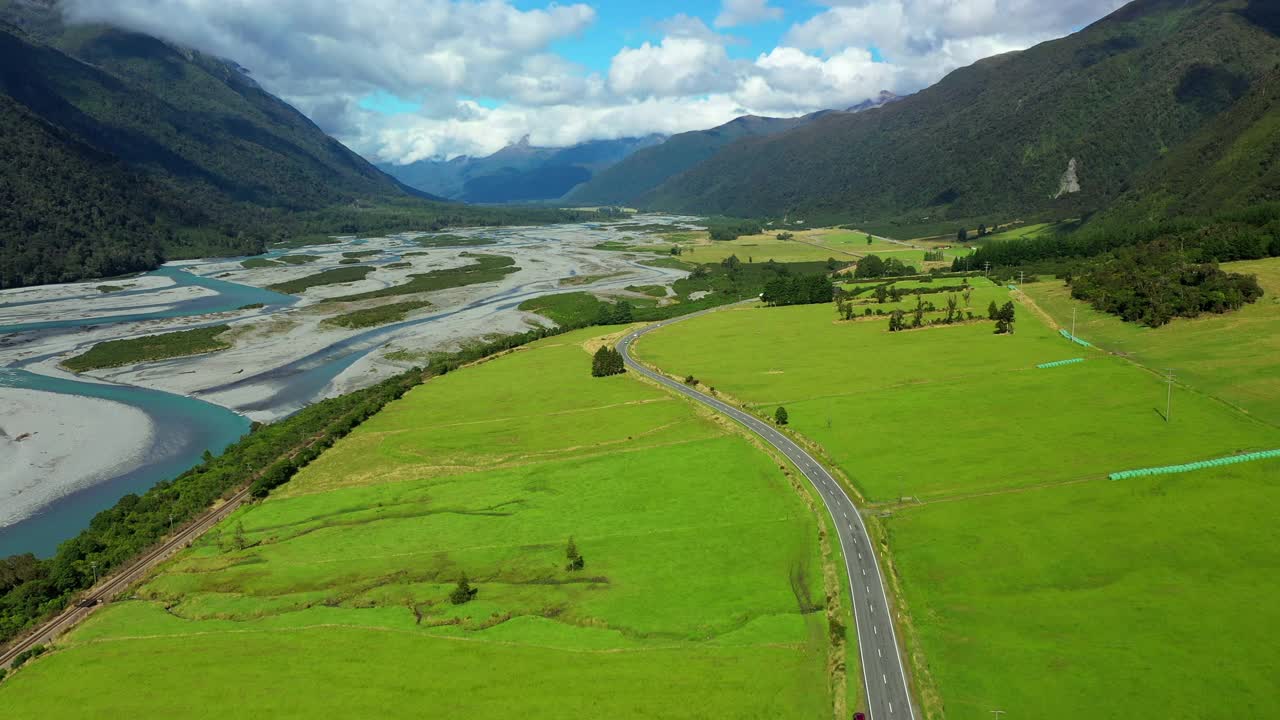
(1202,465)
(328,277)
(372,317)
(115,353)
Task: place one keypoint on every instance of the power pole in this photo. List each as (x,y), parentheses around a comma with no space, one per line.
(986,268)
(997,713)
(1021,274)
(1073,323)
(94,565)
(1168,402)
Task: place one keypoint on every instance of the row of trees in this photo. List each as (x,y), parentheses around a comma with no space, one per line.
(1245,235)
(798,290)
(1004,317)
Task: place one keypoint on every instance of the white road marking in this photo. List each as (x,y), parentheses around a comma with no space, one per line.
(878,653)
(885,678)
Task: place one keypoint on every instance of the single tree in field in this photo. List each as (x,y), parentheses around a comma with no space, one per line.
(869,238)
(993,312)
(1004,320)
(917,315)
(962,235)
(237,538)
(951,309)
(881,294)
(967,292)
(895,321)
(780,416)
(463,592)
(576,561)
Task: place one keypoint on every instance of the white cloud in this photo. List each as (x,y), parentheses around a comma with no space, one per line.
(406,47)
(676,66)
(324,57)
(746,12)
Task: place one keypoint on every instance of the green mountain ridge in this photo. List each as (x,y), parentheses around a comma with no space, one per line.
(996,139)
(646,169)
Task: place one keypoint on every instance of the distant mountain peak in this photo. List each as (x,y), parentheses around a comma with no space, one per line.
(884,97)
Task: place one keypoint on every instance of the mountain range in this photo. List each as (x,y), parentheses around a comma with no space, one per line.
(596,172)
(1159,96)
(517,173)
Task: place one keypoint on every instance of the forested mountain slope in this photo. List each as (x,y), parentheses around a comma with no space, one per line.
(999,138)
(647,169)
(119,146)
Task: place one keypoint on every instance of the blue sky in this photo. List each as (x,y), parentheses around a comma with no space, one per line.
(407,80)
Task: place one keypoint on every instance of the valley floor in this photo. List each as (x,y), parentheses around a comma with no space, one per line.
(704,591)
(1030,582)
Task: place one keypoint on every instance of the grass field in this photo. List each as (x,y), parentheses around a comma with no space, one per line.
(1033,583)
(115,353)
(1209,353)
(700,596)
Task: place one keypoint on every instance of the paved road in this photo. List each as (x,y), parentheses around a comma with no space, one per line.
(113,585)
(882,668)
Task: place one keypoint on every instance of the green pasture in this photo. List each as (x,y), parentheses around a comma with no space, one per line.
(871,398)
(1235,356)
(1033,583)
(1142,598)
(699,597)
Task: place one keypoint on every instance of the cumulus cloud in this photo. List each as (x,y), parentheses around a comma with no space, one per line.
(676,66)
(746,12)
(929,38)
(405,47)
(327,58)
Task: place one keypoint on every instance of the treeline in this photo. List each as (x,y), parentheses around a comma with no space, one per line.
(798,290)
(873,266)
(1156,282)
(32,589)
(1246,235)
(731,228)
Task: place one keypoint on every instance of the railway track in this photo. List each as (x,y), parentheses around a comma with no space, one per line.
(98,595)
